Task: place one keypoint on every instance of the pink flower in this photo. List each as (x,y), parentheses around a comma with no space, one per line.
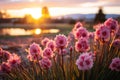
(14,60)
(51,45)
(71,48)
(44,41)
(102,33)
(115,64)
(5,54)
(82,45)
(5,67)
(45,63)
(61,41)
(47,52)
(35,52)
(91,35)
(111,24)
(116,43)
(30,57)
(84,62)
(35,49)
(77,25)
(81,32)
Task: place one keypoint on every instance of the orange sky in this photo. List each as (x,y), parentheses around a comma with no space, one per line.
(58,7)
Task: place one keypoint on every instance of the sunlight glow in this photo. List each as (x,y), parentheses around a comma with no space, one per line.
(57,11)
(37,31)
(41,0)
(36,15)
(34,12)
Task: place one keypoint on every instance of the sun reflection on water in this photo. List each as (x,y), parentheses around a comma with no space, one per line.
(37,31)
(20,31)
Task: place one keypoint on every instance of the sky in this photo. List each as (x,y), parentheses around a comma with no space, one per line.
(58,7)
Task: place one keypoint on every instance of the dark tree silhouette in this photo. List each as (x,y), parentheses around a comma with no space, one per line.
(100,16)
(4,14)
(28,19)
(1,14)
(45,12)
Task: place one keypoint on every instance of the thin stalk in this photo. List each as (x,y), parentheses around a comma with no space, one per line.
(63,68)
(83,76)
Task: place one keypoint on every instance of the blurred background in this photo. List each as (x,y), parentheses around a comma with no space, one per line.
(25,21)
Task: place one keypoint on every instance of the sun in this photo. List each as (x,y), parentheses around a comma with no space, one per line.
(34,12)
(37,31)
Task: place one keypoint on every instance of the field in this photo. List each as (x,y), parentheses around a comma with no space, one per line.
(76,53)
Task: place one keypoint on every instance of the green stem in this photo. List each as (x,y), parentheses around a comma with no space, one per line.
(83,76)
(63,68)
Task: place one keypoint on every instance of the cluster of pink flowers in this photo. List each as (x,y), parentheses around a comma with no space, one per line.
(61,41)
(60,45)
(82,45)
(111,24)
(115,64)
(85,61)
(45,63)
(35,52)
(10,61)
(102,33)
(43,57)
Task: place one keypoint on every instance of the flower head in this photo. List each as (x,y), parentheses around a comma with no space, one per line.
(77,25)
(35,49)
(47,52)
(116,43)
(111,24)
(71,48)
(35,52)
(14,60)
(85,61)
(61,41)
(45,63)
(82,45)
(81,32)
(115,64)
(91,35)
(44,41)
(5,54)
(102,33)
(51,45)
